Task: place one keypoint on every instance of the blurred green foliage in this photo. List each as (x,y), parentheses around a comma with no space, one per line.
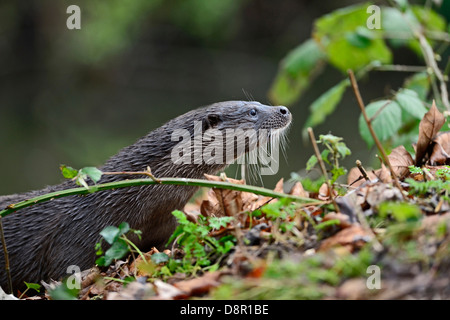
(345,40)
(118,23)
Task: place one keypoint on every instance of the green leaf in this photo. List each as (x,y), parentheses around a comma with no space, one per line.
(431,20)
(297,70)
(386,123)
(159,257)
(337,172)
(124,227)
(360,38)
(401,211)
(62,292)
(303,59)
(325,104)
(68,172)
(409,101)
(110,234)
(92,172)
(180,216)
(103,261)
(33,286)
(218,222)
(420,83)
(414,169)
(324,155)
(343,149)
(311,163)
(348,47)
(118,249)
(81,181)
(394,22)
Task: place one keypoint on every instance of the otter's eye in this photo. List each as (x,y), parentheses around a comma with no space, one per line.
(252,112)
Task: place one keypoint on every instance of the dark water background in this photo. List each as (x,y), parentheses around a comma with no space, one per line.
(76,97)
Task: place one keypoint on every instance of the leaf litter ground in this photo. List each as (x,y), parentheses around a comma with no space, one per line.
(384,243)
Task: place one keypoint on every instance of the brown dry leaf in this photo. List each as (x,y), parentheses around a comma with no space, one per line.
(431,223)
(279,186)
(352,237)
(138,265)
(381,192)
(201,285)
(211,207)
(133,291)
(298,190)
(230,202)
(344,220)
(400,160)
(440,154)
(353,289)
(383,174)
(355,174)
(429,126)
(324,192)
(258,269)
(168,291)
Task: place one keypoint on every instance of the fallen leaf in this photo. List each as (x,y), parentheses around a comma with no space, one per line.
(344,220)
(167,291)
(298,190)
(400,159)
(133,291)
(440,154)
(353,289)
(201,285)
(381,192)
(230,202)
(211,207)
(355,177)
(353,237)
(383,174)
(279,186)
(324,192)
(429,126)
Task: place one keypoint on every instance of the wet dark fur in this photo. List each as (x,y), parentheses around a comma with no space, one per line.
(43,240)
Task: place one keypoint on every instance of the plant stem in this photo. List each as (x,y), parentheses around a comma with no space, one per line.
(166,181)
(130,243)
(362,170)
(322,167)
(374,136)
(400,68)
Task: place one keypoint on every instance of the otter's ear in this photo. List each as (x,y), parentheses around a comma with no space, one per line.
(212,120)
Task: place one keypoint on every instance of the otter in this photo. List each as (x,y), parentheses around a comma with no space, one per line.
(46,238)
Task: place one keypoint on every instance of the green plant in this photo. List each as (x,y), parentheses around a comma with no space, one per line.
(31,286)
(311,277)
(348,39)
(335,150)
(119,243)
(441,185)
(199,247)
(80,176)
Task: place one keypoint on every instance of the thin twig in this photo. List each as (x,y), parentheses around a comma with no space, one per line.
(5,251)
(374,136)
(147,173)
(400,68)
(322,167)
(428,54)
(362,170)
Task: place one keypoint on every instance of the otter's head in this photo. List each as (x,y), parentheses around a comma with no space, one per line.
(216,135)
(246,116)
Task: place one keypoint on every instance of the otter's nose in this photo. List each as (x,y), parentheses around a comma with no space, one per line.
(284,111)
